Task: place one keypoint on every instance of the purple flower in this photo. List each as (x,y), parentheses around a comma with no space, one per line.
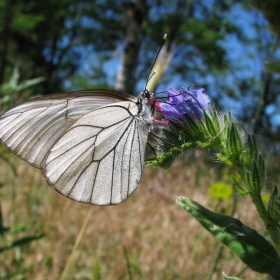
(182,103)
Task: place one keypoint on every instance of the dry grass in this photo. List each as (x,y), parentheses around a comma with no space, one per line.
(161,240)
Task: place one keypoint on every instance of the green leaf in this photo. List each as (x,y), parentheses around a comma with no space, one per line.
(21,242)
(256,179)
(216,119)
(248,179)
(272,66)
(261,169)
(252,248)
(274,205)
(210,125)
(224,159)
(166,159)
(29,83)
(250,152)
(228,143)
(192,127)
(235,142)
(96,270)
(240,190)
(17,229)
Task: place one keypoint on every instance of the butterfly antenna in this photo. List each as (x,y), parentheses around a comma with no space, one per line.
(154,62)
(192,85)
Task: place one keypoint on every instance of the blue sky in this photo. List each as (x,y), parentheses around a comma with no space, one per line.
(246,60)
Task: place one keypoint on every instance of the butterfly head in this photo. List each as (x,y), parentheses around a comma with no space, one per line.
(145,103)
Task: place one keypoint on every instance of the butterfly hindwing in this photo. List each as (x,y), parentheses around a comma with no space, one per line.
(100,158)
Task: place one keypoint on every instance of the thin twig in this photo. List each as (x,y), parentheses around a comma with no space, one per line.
(76,245)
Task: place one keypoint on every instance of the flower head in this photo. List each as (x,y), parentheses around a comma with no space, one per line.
(181,104)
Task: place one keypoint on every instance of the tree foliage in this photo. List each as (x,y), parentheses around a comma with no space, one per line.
(78,44)
(45,38)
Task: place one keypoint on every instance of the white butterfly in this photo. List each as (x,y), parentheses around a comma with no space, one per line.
(90,144)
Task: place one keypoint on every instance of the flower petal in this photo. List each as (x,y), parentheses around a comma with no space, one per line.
(183,103)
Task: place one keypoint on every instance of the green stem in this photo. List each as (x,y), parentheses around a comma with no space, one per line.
(271,227)
(218,258)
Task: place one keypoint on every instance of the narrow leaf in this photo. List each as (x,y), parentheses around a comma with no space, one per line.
(216,119)
(272,66)
(239,189)
(274,205)
(235,140)
(210,125)
(252,248)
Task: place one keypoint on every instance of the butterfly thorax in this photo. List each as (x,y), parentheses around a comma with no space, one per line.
(144,103)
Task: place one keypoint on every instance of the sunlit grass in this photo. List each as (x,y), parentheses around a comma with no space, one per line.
(147,237)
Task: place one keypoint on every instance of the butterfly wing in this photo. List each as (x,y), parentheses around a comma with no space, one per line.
(30,129)
(100,158)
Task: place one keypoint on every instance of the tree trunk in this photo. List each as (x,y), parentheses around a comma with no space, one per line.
(264,101)
(135,14)
(6,36)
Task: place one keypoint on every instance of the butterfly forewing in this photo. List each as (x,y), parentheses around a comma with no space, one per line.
(32,128)
(100,158)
